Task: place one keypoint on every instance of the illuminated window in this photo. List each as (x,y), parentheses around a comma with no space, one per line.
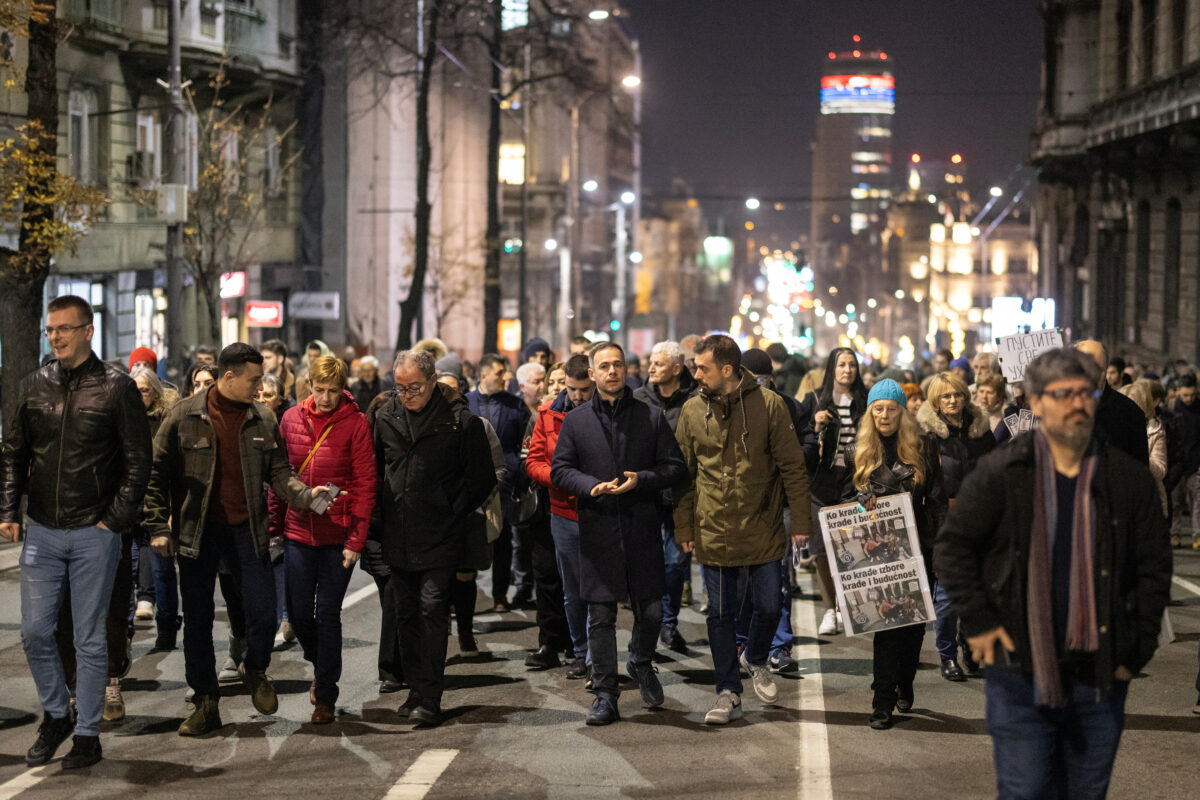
(866,157)
(514,14)
(878,133)
(512,163)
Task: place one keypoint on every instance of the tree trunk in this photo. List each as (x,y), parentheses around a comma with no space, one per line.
(410,307)
(491,264)
(21,290)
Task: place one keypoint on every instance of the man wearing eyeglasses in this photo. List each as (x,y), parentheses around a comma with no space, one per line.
(78,450)
(1055,556)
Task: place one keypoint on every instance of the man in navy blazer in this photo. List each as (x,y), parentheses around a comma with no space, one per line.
(617,455)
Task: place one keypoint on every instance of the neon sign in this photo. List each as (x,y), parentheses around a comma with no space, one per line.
(858,94)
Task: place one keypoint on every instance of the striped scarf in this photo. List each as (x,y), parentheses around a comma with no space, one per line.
(1082,634)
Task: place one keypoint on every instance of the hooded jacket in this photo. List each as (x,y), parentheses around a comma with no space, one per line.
(743,459)
(346,458)
(541,454)
(982,554)
(958,448)
(430,480)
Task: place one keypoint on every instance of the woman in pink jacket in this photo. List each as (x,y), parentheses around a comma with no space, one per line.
(328,442)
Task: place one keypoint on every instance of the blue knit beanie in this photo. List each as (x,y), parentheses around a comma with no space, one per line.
(887,389)
(961,363)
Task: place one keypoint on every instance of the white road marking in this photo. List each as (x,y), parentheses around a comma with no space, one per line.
(1186,584)
(816,778)
(26,780)
(359,595)
(419,778)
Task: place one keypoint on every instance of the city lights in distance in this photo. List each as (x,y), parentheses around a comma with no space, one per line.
(899,294)
(749,225)
(857,38)
(631,81)
(956,159)
(627,197)
(872,303)
(598,14)
(635,257)
(833,290)
(551,245)
(932,199)
(591,185)
(916,158)
(996,191)
(752,203)
(850,309)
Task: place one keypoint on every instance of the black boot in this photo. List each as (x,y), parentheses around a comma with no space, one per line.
(51,733)
(84,752)
(167,637)
(543,658)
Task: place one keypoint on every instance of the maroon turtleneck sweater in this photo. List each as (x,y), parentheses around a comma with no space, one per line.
(229,489)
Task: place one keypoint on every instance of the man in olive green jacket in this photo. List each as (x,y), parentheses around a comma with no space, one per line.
(743,458)
(207,502)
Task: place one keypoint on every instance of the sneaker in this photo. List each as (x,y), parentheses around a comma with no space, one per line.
(262,691)
(764,684)
(85,751)
(604,711)
(205,718)
(673,640)
(467,646)
(880,719)
(51,734)
(781,661)
(145,610)
(646,677)
(727,708)
(114,704)
(577,669)
(229,672)
(829,623)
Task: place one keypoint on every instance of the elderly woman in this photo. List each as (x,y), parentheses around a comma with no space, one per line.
(328,441)
(890,457)
(960,432)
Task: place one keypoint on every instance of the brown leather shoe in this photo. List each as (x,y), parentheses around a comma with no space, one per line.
(322,714)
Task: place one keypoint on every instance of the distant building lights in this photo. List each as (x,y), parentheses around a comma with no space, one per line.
(916,158)
(956,159)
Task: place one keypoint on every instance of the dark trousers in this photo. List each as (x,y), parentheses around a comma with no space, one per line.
(235,610)
(897,654)
(146,588)
(316,585)
(117,629)
(166,590)
(462,597)
(728,589)
(389,638)
(502,556)
(197,578)
(551,610)
(522,558)
(602,640)
(1052,753)
(744,623)
(422,601)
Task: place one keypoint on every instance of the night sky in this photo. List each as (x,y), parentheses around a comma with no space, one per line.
(731,87)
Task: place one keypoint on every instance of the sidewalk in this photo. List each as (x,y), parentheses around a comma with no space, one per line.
(9,553)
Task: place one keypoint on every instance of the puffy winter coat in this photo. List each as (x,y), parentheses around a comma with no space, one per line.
(958,448)
(541,454)
(743,457)
(346,458)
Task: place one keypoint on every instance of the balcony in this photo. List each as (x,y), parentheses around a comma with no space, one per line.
(1157,105)
(108,15)
(246,30)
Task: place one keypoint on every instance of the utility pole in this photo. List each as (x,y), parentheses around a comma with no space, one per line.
(174,190)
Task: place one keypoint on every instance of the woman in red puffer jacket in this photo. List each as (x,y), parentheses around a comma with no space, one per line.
(328,441)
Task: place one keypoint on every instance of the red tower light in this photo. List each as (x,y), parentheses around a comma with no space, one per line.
(956,159)
(832,55)
(857,38)
(916,158)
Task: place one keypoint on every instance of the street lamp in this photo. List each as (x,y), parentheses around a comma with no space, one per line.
(996,191)
(599,14)
(551,245)
(627,197)
(590,185)
(631,81)
(753,203)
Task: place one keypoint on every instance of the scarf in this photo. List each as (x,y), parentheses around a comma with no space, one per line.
(1082,634)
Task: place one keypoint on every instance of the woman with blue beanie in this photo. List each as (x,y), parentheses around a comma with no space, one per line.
(891,457)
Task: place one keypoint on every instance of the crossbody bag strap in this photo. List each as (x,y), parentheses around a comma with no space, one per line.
(315,447)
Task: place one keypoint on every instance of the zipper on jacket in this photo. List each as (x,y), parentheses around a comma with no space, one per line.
(62,432)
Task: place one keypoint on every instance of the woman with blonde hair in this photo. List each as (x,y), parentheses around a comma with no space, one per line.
(890,456)
(1156,436)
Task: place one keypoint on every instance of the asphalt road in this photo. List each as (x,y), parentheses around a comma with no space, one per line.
(515,733)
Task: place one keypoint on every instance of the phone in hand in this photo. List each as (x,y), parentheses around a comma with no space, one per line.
(321,502)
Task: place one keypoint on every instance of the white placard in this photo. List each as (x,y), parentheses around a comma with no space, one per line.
(1017,351)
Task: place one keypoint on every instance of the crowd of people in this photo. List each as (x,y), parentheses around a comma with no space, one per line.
(583,487)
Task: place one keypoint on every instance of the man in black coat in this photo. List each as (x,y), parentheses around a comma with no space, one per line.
(1118,419)
(1064,607)
(616,456)
(435,470)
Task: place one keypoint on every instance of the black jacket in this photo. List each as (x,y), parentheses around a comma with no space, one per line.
(828,482)
(1122,424)
(429,482)
(982,554)
(958,449)
(79,446)
(510,419)
(670,406)
(620,536)
(1184,432)
(365,392)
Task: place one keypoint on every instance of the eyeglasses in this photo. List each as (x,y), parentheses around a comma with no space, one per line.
(1065,395)
(63,329)
(411,390)
(951,396)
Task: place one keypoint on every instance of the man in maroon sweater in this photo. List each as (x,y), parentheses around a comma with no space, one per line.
(206,502)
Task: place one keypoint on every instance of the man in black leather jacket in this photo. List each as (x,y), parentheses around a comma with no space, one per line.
(78,448)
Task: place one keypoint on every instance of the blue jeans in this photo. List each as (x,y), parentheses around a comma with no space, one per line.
(1052,753)
(86,559)
(166,590)
(565,533)
(945,627)
(316,586)
(197,583)
(728,588)
(679,569)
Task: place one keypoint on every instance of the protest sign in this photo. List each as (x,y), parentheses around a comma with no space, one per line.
(1017,351)
(878,570)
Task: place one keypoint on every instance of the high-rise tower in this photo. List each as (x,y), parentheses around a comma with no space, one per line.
(852,166)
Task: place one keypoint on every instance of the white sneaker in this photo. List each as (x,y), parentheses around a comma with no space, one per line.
(114,704)
(764,684)
(829,623)
(145,610)
(727,707)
